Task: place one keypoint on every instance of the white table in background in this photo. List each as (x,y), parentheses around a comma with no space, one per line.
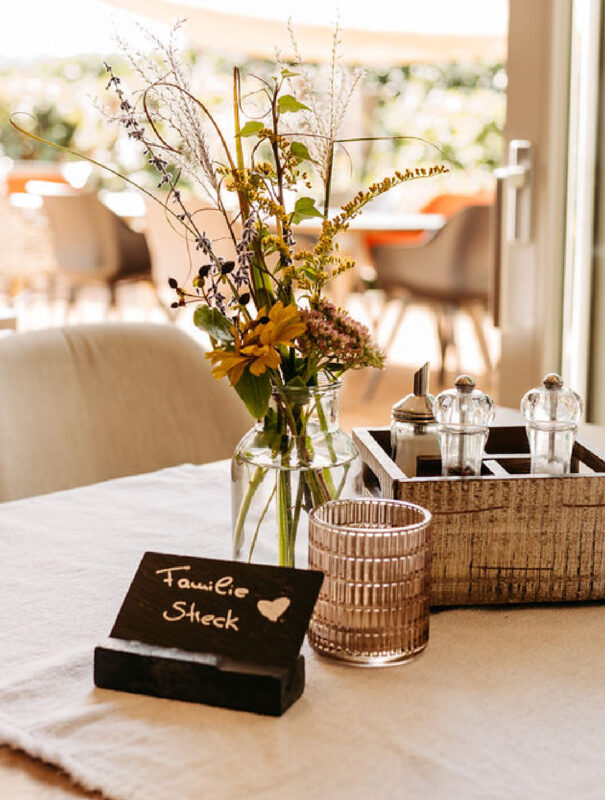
(381,221)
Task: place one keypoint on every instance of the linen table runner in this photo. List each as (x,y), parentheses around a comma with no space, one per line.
(506,703)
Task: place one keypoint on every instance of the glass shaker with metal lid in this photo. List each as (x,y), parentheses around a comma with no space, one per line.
(463,416)
(413,427)
(551,413)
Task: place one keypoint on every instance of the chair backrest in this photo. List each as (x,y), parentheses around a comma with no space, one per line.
(83,233)
(454,265)
(87,403)
(175,256)
(90,241)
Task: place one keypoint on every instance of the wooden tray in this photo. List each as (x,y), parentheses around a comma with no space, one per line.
(505,536)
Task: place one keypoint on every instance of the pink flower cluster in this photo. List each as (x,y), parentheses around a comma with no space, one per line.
(333,334)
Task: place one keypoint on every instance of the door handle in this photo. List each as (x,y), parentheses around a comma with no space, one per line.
(512,210)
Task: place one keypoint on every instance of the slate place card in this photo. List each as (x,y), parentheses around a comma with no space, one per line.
(219,632)
(251,612)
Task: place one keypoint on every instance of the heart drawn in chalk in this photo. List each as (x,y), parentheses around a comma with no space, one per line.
(273,609)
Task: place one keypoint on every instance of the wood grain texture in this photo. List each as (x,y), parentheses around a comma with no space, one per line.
(512,538)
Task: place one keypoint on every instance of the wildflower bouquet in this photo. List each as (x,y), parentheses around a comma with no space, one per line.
(279,342)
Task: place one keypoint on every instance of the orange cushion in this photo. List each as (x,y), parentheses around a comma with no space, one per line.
(376,238)
(16,179)
(450,204)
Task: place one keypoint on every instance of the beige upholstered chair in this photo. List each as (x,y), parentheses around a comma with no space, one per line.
(175,256)
(93,245)
(451,271)
(87,403)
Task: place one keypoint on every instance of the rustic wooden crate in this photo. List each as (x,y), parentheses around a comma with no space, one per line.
(505,536)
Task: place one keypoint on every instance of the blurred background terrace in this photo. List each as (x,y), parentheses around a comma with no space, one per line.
(442,87)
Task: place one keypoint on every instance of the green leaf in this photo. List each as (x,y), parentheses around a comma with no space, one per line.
(214,323)
(251,128)
(289,103)
(255,391)
(299,150)
(287,73)
(304,208)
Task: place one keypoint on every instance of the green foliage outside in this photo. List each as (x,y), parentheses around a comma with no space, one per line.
(461,107)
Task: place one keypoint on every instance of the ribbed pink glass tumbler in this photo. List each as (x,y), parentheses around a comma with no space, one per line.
(373,607)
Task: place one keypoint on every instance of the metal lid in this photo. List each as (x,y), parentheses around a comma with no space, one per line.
(552,404)
(465,405)
(418,406)
(552,381)
(464,383)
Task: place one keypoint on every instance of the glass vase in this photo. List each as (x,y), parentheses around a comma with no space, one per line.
(293,460)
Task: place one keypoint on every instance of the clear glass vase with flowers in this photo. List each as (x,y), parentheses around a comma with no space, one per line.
(274,336)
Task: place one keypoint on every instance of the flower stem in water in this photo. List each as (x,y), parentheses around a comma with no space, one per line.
(253,485)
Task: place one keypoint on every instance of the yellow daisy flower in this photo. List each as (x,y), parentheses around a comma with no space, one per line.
(255,345)
(227,363)
(283,327)
(262,358)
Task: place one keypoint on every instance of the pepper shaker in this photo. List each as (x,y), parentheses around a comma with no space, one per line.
(413,426)
(463,417)
(551,412)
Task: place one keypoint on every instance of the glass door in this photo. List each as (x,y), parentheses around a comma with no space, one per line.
(532,216)
(590,314)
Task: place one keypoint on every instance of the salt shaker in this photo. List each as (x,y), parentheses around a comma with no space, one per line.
(463,417)
(413,427)
(551,412)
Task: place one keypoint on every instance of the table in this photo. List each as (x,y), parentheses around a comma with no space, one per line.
(505,703)
(383,221)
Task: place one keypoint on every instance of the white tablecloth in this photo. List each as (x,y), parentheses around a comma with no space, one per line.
(505,703)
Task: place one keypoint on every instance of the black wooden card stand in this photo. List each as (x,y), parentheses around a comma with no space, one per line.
(202,630)
(197,677)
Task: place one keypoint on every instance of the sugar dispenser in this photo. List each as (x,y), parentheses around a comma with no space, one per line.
(413,426)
